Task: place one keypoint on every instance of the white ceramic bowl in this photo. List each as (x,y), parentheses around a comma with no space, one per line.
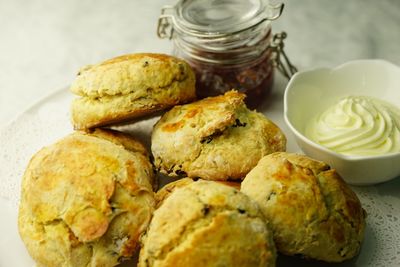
(310,92)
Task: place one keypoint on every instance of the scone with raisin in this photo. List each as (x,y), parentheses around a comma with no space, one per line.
(206,223)
(216,138)
(86,200)
(128,87)
(311,210)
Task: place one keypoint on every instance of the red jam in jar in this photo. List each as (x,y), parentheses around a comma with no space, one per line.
(229,44)
(255,79)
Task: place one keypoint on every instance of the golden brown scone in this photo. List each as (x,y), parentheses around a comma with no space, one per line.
(311,209)
(166,191)
(216,138)
(128,87)
(86,200)
(207,224)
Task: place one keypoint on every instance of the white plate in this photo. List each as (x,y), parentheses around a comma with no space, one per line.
(48,121)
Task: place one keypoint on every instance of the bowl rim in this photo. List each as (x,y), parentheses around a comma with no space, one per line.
(315,145)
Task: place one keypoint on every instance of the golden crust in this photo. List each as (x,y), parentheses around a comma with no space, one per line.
(85,201)
(311,209)
(128,87)
(167,190)
(205,223)
(216,138)
(125,140)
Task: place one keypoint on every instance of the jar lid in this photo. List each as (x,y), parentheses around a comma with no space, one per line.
(216,18)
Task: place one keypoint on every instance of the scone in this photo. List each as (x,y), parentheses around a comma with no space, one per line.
(312,211)
(86,200)
(216,138)
(128,87)
(207,224)
(167,190)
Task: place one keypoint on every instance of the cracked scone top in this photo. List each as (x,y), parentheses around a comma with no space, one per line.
(217,138)
(86,200)
(205,223)
(167,190)
(128,87)
(310,208)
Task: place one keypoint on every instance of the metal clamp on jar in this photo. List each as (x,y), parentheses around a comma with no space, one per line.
(229,44)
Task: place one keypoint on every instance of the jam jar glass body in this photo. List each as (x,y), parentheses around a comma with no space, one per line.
(229,44)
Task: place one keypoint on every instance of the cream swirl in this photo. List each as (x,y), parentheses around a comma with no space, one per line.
(358,125)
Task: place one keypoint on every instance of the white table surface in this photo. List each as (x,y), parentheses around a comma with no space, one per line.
(44,42)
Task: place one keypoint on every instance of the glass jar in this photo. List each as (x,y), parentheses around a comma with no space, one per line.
(229,44)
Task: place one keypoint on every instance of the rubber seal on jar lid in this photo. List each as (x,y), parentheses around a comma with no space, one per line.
(216,18)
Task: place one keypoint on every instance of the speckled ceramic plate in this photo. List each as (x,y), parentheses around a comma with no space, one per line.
(48,120)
